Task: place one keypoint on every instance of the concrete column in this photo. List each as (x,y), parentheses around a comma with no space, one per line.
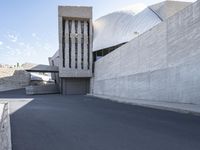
(73,45)
(66,44)
(91,44)
(85,66)
(79,44)
(60,41)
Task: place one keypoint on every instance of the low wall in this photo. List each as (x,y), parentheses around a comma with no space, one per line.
(162,64)
(42,89)
(11,78)
(5,131)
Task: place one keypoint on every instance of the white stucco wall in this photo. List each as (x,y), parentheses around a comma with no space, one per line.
(162,64)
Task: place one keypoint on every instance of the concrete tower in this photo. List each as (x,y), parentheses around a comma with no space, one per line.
(75,49)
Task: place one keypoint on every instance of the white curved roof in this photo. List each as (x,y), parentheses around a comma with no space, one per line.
(39,77)
(122,26)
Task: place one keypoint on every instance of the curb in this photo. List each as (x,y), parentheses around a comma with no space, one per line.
(159,107)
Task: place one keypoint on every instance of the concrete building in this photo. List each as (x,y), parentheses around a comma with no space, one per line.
(147,54)
(75,49)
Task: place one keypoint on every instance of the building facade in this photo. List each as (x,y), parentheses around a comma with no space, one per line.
(75,49)
(150,54)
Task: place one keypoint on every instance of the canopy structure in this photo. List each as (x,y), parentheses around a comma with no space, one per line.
(40,68)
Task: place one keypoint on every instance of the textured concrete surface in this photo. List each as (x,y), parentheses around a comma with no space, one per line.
(54,61)
(49,122)
(5,133)
(79,13)
(160,65)
(11,78)
(1,110)
(43,89)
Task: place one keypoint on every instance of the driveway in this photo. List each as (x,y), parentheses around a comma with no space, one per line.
(55,122)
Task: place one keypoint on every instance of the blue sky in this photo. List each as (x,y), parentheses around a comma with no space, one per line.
(28,28)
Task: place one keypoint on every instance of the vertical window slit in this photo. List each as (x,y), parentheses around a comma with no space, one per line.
(76,43)
(88,44)
(70,41)
(63,42)
(82,43)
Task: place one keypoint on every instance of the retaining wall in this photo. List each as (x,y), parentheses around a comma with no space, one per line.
(162,64)
(42,89)
(5,131)
(11,78)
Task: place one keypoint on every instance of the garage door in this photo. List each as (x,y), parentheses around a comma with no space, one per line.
(75,86)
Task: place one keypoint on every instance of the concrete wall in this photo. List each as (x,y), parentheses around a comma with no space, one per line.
(70,56)
(5,131)
(162,64)
(54,61)
(42,89)
(13,79)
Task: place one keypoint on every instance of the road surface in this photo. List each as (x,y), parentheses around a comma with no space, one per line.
(55,122)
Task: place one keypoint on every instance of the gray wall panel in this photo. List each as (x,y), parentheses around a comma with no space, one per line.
(162,64)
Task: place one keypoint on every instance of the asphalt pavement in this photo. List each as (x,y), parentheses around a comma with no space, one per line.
(56,122)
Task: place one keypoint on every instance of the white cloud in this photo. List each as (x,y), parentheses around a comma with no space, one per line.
(47,46)
(21,43)
(33,49)
(34,34)
(13,37)
(8,47)
(11,53)
(18,51)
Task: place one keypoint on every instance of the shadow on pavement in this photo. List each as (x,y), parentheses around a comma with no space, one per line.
(56,122)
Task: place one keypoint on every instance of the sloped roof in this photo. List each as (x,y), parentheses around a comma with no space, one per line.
(168,8)
(122,26)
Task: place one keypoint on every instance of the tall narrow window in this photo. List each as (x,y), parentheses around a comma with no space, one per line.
(82,43)
(88,44)
(63,42)
(76,43)
(70,41)
(76,26)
